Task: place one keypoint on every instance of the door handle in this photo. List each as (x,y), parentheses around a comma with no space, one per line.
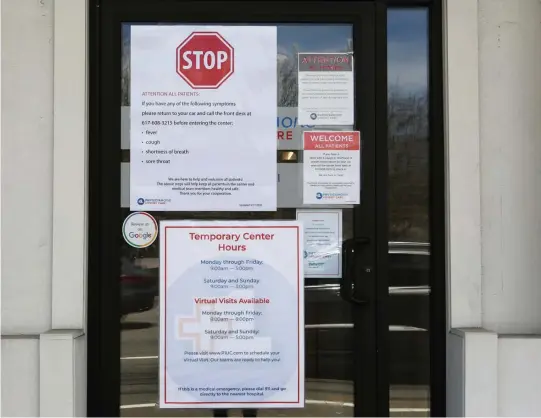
(347,285)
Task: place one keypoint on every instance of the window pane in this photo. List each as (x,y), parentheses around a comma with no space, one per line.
(408,145)
(328,335)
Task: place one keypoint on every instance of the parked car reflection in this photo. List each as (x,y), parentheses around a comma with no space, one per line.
(138,287)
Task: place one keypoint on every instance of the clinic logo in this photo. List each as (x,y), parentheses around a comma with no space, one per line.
(330,196)
(152,201)
(311,254)
(313,116)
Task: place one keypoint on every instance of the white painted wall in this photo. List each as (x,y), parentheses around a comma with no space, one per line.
(70,175)
(519,370)
(493,141)
(27,165)
(510,131)
(462,163)
(62,372)
(472,375)
(20,377)
(43,205)
(455,375)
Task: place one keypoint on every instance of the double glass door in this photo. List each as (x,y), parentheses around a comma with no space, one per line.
(345,328)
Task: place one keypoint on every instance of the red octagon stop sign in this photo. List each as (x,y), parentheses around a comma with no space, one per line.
(205,60)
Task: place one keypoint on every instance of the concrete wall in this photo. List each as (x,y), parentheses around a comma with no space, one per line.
(43,206)
(493,131)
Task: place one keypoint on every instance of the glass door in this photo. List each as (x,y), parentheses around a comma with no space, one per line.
(341,329)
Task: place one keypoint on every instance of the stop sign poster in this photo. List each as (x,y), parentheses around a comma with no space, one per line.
(203,118)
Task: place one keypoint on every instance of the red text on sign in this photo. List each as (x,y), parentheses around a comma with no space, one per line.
(332,140)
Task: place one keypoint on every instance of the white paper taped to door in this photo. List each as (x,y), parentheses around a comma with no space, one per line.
(322,242)
(289,137)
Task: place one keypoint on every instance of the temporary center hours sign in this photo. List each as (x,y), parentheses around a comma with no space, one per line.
(231,314)
(203,118)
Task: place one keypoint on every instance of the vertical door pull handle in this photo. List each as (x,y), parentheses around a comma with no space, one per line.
(350,253)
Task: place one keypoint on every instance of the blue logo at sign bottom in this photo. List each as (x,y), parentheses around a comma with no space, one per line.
(277,328)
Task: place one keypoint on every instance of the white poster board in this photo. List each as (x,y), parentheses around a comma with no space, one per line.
(322,242)
(326,95)
(332,168)
(203,125)
(231,314)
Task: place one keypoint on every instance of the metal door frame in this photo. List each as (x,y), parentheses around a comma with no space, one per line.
(372,393)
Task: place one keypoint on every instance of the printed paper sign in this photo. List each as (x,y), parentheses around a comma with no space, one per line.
(203,130)
(289,137)
(289,130)
(322,242)
(231,314)
(332,168)
(326,89)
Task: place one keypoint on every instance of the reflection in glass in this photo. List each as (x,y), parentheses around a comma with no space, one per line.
(409,253)
(329,356)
